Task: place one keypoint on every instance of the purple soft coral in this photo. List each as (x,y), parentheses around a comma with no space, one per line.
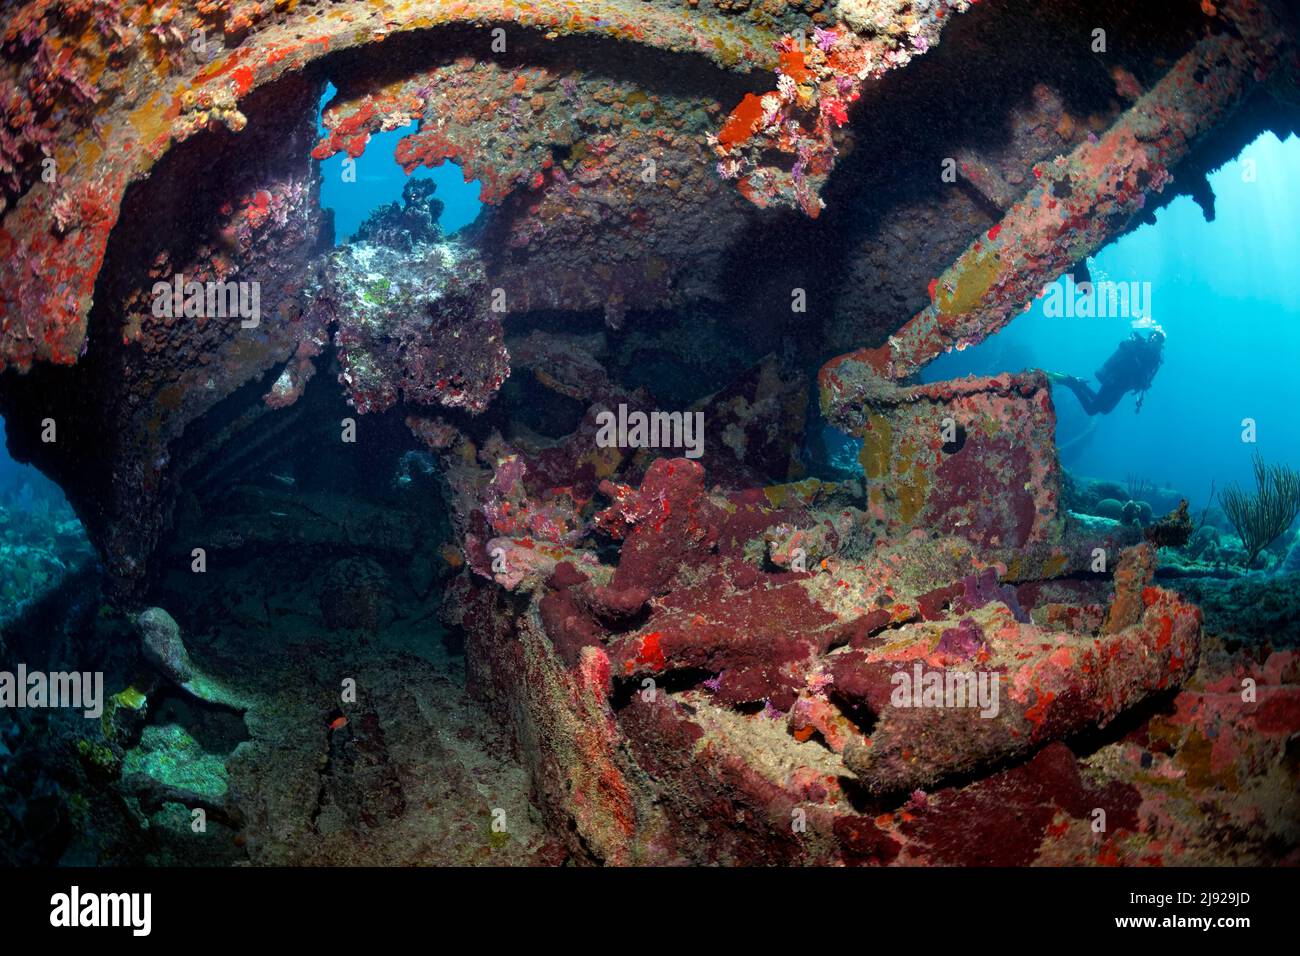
(963,641)
(980,589)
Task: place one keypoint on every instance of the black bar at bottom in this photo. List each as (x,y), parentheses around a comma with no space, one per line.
(726,906)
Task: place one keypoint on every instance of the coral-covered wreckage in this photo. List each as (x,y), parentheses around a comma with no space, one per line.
(689,205)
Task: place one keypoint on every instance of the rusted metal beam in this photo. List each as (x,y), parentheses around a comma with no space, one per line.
(1080,202)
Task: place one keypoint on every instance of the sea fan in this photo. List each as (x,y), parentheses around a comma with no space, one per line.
(1139,488)
(1262,517)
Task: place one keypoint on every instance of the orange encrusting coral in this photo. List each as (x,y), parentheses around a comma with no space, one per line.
(743,121)
(793,66)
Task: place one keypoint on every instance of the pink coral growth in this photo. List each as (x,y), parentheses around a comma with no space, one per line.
(51,80)
(818,78)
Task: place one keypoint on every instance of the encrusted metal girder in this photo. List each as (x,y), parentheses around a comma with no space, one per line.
(1080,202)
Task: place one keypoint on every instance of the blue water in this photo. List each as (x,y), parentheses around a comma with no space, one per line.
(1225,294)
(14,475)
(379,181)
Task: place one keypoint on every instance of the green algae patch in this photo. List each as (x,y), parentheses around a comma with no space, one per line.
(911,498)
(497,839)
(168,754)
(379,292)
(795,491)
(130,698)
(98,757)
(972,285)
(877,444)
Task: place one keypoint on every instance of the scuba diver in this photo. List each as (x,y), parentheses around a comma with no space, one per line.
(1130,368)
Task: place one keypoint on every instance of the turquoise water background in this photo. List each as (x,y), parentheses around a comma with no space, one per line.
(379,181)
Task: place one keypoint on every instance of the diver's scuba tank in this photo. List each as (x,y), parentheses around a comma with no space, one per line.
(1113,367)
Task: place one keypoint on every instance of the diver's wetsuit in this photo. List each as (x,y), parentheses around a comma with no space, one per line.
(1130,369)
(1102,402)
